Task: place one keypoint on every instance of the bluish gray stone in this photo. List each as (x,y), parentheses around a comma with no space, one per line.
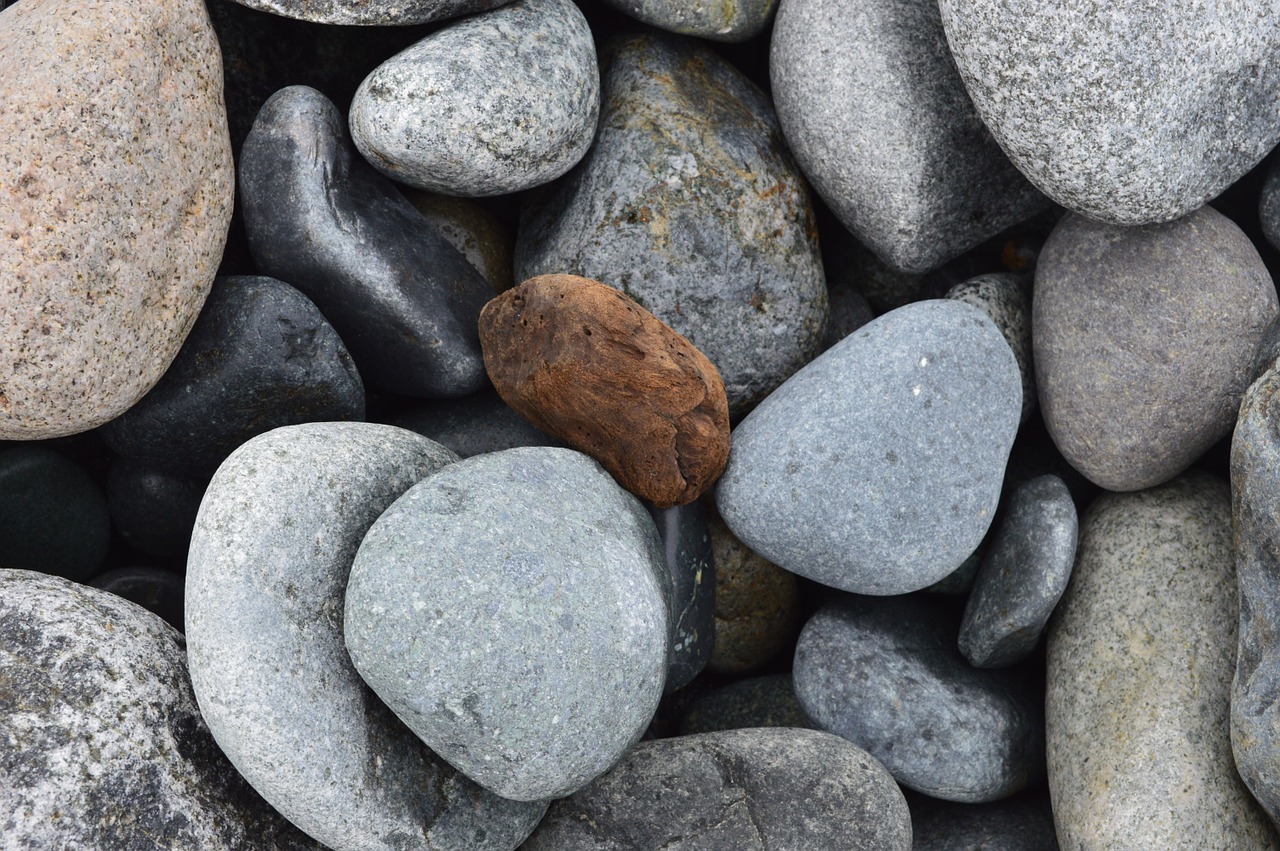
(886,674)
(267,572)
(495,103)
(473,425)
(1023,575)
(158,591)
(1021,823)
(733,21)
(689,202)
(1144,340)
(738,789)
(1127,118)
(403,299)
(877,468)
(686,549)
(153,510)
(104,746)
(369,12)
(768,701)
(879,120)
(528,642)
(1006,298)
(53,517)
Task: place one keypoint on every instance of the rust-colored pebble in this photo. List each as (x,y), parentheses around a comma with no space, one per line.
(588,365)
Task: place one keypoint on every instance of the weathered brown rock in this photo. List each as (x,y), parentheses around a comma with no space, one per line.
(116,187)
(588,365)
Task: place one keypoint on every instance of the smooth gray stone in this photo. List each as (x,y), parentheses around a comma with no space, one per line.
(1140,655)
(880,122)
(1144,339)
(741,789)
(53,517)
(152,509)
(877,468)
(494,103)
(473,425)
(689,202)
(104,745)
(403,299)
(260,356)
(266,579)
(1006,298)
(1021,823)
(1127,118)
(738,20)
(687,551)
(537,666)
(885,674)
(371,12)
(768,701)
(1023,575)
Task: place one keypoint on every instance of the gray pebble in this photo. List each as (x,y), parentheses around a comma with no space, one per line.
(370,12)
(1021,823)
(768,701)
(473,425)
(877,468)
(738,20)
(1006,298)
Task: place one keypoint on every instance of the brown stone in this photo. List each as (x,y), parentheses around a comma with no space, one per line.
(588,365)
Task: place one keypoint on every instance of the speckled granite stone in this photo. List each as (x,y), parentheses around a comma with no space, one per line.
(731,21)
(877,468)
(117,167)
(687,551)
(1140,657)
(53,517)
(768,701)
(496,103)
(1127,115)
(1006,298)
(747,790)
(266,576)
(688,201)
(879,120)
(538,666)
(366,12)
(104,746)
(1144,339)
(1021,823)
(472,425)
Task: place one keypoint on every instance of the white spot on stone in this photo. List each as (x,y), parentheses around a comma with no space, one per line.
(915,391)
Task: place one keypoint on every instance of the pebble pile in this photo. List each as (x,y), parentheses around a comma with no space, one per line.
(622,425)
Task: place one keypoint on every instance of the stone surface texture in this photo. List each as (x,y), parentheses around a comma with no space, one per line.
(1021,823)
(117,167)
(472,425)
(733,21)
(53,516)
(1006,298)
(153,510)
(371,12)
(768,701)
(688,553)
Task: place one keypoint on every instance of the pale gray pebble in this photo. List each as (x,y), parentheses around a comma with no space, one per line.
(747,790)
(768,701)
(1006,298)
(733,21)
(877,468)
(371,12)
(1144,341)
(885,674)
(1140,658)
(104,744)
(473,425)
(879,120)
(1023,575)
(1021,823)
(266,575)
(495,103)
(538,666)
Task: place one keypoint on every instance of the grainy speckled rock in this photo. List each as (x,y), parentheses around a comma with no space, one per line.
(687,550)
(1006,298)
(495,103)
(880,122)
(1144,339)
(1140,657)
(472,425)
(538,666)
(104,745)
(1128,116)
(877,468)
(366,12)
(885,674)
(1021,823)
(732,21)
(116,162)
(689,203)
(53,517)
(768,701)
(266,575)
(748,790)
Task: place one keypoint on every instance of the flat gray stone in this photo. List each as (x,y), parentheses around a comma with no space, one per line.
(1127,118)
(877,468)
(1140,657)
(370,12)
(528,643)
(104,745)
(1006,298)
(1022,576)
(749,790)
(735,21)
(495,103)
(1021,823)
(886,675)
(878,118)
(266,577)
(698,214)
(1144,340)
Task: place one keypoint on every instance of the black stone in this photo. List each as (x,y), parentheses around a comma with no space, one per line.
(53,518)
(686,546)
(152,509)
(1021,823)
(158,591)
(472,425)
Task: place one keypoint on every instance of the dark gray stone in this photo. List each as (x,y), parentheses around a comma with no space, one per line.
(158,591)
(1269,205)
(403,299)
(767,701)
(495,103)
(266,576)
(1268,353)
(747,790)
(1170,108)
(737,20)
(960,580)
(473,425)
(367,12)
(1144,339)
(104,745)
(880,122)
(885,674)
(260,356)
(850,309)
(1006,298)
(53,518)
(1021,823)
(689,202)
(153,510)
(1023,575)
(535,668)
(877,468)
(686,549)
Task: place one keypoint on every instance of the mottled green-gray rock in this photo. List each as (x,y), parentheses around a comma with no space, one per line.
(727,20)
(1140,657)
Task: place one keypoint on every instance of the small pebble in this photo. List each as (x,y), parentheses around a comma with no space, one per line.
(1006,298)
